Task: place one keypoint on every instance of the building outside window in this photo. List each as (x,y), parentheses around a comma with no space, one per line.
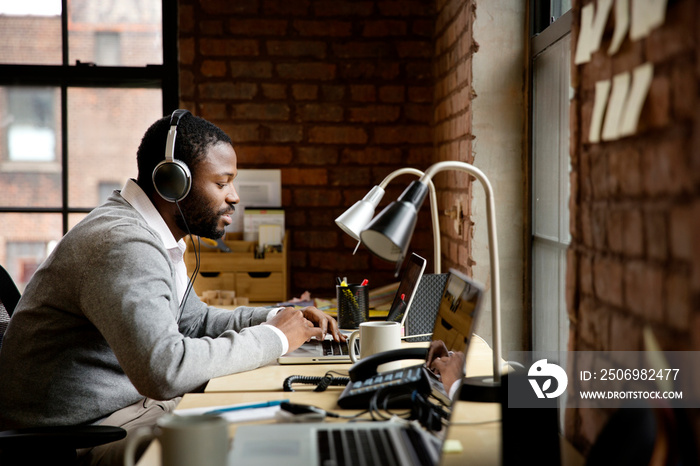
(69,129)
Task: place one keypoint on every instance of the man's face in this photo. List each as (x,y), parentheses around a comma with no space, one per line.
(209,205)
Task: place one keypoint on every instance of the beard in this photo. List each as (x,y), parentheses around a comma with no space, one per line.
(201,219)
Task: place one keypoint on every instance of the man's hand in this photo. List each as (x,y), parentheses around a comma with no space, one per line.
(326,323)
(301,326)
(449,368)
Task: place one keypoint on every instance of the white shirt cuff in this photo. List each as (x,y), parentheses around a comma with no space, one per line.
(280,333)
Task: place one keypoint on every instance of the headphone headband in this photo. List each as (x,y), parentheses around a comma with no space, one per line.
(171,177)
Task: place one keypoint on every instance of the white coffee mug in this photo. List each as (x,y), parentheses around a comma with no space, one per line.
(376,337)
(185,440)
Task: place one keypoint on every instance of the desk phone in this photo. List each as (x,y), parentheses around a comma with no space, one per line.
(392,387)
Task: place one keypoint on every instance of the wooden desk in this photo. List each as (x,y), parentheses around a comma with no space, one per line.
(480,442)
(271,377)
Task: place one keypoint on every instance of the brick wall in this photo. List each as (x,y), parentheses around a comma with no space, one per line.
(335,94)
(634,259)
(454,49)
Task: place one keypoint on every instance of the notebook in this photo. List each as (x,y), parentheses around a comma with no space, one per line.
(366,443)
(329,351)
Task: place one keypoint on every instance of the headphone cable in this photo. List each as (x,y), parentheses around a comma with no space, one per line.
(197,250)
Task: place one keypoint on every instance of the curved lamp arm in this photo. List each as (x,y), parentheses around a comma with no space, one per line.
(355,218)
(493,249)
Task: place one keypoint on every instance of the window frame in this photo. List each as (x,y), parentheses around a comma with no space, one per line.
(84,75)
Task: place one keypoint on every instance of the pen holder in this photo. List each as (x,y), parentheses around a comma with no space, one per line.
(353,305)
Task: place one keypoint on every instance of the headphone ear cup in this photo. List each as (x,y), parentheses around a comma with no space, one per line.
(172,180)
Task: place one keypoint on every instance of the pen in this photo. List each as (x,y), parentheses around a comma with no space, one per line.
(364,282)
(266,404)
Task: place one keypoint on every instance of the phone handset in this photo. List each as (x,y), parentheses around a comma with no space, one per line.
(367,366)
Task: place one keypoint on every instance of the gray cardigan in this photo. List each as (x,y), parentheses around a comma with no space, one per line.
(99,327)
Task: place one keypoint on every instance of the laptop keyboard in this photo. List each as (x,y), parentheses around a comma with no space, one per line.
(334,348)
(347,447)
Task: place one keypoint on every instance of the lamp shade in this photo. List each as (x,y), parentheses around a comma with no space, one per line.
(353,220)
(389,234)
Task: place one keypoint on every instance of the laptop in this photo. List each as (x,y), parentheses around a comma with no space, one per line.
(367,443)
(452,330)
(329,351)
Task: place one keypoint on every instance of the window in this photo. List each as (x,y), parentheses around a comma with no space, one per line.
(551,93)
(30,121)
(69,127)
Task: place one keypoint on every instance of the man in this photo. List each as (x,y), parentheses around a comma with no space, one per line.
(107,331)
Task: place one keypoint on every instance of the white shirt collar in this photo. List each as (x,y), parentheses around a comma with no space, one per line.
(134,195)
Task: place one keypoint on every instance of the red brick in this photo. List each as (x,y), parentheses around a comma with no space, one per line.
(274,91)
(185,19)
(393,94)
(262,111)
(285,7)
(656,234)
(305,91)
(608,280)
(213,68)
(317,155)
(212,111)
(375,114)
(258,156)
(257,27)
(320,112)
(315,71)
(316,197)
(287,48)
(228,47)
(304,176)
(412,134)
(406,8)
(682,235)
(363,92)
(593,325)
(186,51)
(362,49)
(227,90)
(633,240)
(256,69)
(343,8)
(415,49)
(677,303)
(225,7)
(371,156)
(644,290)
(337,135)
(286,133)
(625,333)
(418,113)
(326,28)
(656,112)
(211,28)
(384,28)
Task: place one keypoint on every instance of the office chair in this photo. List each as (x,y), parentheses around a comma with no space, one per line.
(54,445)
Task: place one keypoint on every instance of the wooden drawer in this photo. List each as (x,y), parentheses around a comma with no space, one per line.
(261,286)
(214,281)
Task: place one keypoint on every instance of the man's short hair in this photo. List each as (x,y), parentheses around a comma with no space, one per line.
(194,136)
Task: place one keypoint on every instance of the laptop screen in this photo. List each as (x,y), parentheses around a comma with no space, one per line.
(410,277)
(452,331)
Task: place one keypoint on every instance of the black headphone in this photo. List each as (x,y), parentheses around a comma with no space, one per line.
(171,177)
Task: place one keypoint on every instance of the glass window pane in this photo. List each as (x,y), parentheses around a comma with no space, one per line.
(30,146)
(25,242)
(105,127)
(30,32)
(123,33)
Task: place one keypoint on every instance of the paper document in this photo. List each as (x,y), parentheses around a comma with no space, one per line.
(243,415)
